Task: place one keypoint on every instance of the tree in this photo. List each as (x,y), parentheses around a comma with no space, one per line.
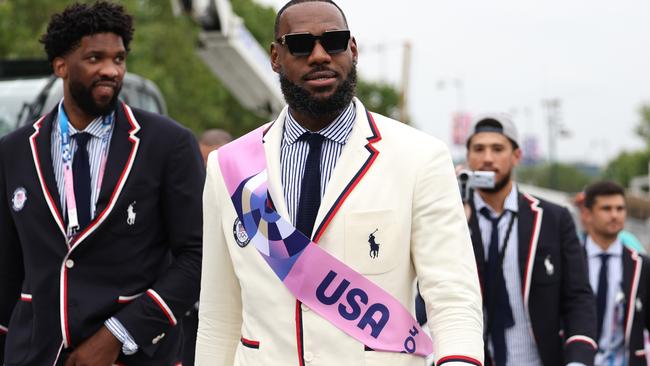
(163,50)
(643,129)
(628,165)
(570,177)
(379,97)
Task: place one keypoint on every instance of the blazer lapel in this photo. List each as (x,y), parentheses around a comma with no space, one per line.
(477,243)
(631,272)
(529,222)
(121,156)
(356,158)
(272,144)
(118,155)
(525,230)
(41,146)
(477,240)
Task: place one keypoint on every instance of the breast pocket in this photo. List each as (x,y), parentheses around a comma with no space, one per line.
(372,241)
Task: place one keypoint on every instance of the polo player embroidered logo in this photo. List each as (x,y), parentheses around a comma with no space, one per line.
(550,268)
(620,297)
(19,199)
(374,246)
(130,219)
(238,231)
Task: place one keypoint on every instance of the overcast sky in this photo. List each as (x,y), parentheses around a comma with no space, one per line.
(509,55)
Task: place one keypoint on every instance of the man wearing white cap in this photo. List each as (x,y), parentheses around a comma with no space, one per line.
(537,302)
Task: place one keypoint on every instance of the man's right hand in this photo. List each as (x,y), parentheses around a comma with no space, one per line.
(468,210)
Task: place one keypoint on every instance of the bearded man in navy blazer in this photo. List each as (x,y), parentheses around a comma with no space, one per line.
(100,213)
(537,301)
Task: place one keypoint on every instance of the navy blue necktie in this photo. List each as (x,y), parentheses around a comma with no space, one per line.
(601,295)
(498,303)
(310,185)
(81,175)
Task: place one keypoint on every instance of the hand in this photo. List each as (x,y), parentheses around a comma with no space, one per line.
(468,210)
(101,349)
(459,168)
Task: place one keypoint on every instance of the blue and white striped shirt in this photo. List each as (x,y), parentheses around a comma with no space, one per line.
(95,154)
(521,347)
(294,151)
(611,345)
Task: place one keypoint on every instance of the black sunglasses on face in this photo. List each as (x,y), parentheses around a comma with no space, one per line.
(302,44)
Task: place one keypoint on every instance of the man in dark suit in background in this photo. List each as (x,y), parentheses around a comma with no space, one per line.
(538,305)
(100,213)
(618,276)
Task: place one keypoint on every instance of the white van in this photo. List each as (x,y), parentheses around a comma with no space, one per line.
(28,90)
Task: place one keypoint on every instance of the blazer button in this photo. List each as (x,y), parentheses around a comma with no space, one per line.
(69,263)
(158,338)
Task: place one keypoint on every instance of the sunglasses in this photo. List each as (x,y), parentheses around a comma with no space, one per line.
(302,44)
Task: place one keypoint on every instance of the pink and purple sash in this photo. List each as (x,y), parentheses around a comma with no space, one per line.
(328,286)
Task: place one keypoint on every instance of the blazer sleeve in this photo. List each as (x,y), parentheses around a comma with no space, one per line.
(11,263)
(220,312)
(176,289)
(442,253)
(578,307)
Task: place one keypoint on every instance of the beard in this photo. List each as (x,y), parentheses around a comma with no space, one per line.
(83,97)
(499,185)
(301,100)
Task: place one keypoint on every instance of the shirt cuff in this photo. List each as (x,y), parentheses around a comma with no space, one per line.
(129,346)
(575,364)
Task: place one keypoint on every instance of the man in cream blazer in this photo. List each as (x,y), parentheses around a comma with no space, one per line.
(390,210)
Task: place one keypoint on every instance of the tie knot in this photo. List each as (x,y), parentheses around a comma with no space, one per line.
(488,215)
(315,140)
(81,138)
(604,257)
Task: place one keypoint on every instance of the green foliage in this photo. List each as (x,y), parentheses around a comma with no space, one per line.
(570,178)
(380,98)
(628,165)
(259,20)
(163,50)
(643,129)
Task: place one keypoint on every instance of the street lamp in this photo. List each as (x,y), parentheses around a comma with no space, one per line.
(555,130)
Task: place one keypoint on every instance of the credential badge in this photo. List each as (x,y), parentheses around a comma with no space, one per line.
(240,234)
(19,199)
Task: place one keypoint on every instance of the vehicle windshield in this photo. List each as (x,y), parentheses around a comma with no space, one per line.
(13,95)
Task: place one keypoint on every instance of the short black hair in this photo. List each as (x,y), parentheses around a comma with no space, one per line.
(295,2)
(66,29)
(602,188)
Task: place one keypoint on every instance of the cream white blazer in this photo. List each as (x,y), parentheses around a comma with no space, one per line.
(390,178)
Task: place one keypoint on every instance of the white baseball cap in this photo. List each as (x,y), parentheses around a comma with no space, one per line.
(495,122)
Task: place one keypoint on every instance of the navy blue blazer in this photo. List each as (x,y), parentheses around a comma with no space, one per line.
(636,283)
(139,260)
(559,302)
